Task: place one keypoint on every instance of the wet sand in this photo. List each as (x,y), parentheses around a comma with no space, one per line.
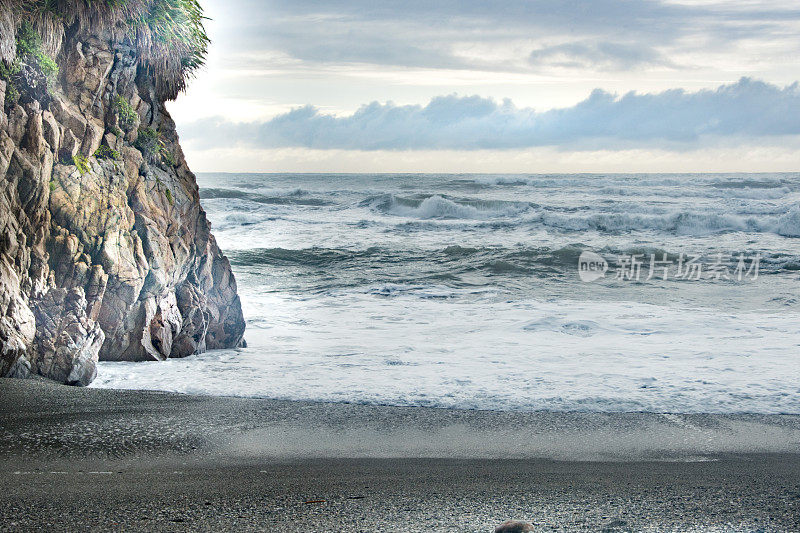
(141,461)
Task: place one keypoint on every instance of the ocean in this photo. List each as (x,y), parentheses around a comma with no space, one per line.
(597,292)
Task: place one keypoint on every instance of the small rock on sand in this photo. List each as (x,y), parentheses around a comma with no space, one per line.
(513,526)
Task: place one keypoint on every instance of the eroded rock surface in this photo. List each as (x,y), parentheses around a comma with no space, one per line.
(115,260)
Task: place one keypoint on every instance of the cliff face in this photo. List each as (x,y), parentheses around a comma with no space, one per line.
(105,251)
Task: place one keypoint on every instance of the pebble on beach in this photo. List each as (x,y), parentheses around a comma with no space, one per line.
(513,526)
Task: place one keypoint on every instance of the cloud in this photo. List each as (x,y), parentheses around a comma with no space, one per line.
(422,33)
(670,120)
(605,55)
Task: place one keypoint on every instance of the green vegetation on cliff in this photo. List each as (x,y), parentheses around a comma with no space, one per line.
(105,152)
(168,35)
(125,112)
(28,51)
(81,162)
(149,143)
(152,146)
(7,73)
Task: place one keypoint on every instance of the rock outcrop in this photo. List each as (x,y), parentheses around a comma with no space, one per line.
(105,251)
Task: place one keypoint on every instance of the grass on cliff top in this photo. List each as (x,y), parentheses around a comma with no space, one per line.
(172,42)
(169,35)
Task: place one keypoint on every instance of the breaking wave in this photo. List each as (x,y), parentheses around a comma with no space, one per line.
(441,207)
(296,197)
(681,223)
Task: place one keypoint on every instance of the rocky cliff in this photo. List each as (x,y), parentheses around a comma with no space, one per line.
(105,251)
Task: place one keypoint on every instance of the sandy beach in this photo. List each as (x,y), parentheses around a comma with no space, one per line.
(125,460)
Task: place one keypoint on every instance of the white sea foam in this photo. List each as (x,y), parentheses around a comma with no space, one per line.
(495,354)
(788,224)
(707,192)
(437,206)
(457,291)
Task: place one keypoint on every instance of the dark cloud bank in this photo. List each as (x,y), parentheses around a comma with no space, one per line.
(672,119)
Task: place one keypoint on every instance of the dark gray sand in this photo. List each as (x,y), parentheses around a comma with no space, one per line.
(77,459)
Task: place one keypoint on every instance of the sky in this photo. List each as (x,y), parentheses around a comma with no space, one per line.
(496,86)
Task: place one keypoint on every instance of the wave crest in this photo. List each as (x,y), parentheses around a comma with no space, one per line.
(681,223)
(441,207)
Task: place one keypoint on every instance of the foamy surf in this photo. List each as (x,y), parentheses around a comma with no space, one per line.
(463,291)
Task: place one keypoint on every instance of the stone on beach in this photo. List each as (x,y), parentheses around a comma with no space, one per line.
(513,526)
